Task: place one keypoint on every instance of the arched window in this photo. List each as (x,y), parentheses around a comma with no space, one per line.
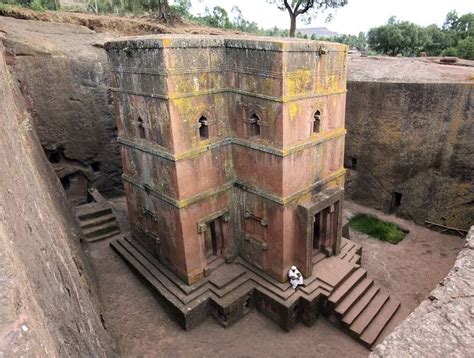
(317,122)
(254,126)
(141,128)
(203,128)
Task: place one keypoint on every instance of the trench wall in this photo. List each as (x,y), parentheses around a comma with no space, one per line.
(48,302)
(415,139)
(63,75)
(442,326)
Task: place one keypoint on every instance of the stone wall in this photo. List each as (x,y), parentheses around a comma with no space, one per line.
(414,139)
(63,74)
(48,303)
(443,325)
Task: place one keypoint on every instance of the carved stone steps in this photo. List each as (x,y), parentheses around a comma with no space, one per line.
(345,288)
(361,307)
(355,259)
(393,323)
(92,210)
(88,223)
(353,297)
(152,274)
(369,313)
(333,271)
(373,330)
(94,238)
(357,308)
(98,230)
(97,219)
(318,257)
(351,252)
(338,288)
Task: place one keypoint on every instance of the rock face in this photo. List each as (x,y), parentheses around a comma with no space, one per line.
(443,324)
(63,74)
(410,148)
(48,304)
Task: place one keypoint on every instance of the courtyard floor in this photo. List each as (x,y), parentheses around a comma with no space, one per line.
(142,328)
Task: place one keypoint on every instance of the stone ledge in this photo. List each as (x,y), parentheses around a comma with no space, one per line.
(259,43)
(443,324)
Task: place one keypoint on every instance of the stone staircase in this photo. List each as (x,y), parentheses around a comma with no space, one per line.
(338,288)
(361,307)
(96,219)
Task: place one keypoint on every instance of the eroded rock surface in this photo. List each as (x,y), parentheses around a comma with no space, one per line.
(48,303)
(62,71)
(409,144)
(443,325)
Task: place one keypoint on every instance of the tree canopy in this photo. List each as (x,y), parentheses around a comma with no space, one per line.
(455,38)
(306,9)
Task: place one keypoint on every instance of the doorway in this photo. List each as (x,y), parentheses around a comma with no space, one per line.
(395,202)
(325,228)
(214,240)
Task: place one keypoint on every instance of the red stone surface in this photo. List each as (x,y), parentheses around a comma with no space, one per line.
(264,187)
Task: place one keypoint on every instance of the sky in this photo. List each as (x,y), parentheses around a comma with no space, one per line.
(356,16)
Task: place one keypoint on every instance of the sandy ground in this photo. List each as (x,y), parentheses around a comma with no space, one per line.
(409,270)
(409,70)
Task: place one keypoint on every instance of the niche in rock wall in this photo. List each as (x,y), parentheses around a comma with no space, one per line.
(396,202)
(75,186)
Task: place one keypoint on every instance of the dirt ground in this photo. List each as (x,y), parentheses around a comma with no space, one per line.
(141,328)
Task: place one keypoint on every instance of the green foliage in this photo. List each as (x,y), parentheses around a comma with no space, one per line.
(106,6)
(37,5)
(465,48)
(5,9)
(354,42)
(181,8)
(219,17)
(377,228)
(396,38)
(306,10)
(455,38)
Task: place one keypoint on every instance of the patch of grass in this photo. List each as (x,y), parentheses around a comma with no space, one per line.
(377,228)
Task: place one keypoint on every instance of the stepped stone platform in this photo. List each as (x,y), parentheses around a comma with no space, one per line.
(338,288)
(96,219)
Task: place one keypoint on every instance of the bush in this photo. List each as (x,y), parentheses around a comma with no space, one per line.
(450,51)
(37,5)
(377,228)
(466,48)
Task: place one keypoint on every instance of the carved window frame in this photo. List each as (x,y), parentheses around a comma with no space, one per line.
(210,124)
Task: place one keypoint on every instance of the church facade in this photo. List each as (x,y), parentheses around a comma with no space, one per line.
(232,147)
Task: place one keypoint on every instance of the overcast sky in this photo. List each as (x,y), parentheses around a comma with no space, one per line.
(358,15)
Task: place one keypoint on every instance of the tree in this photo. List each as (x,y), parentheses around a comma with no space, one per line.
(436,40)
(397,37)
(221,17)
(182,8)
(465,48)
(240,23)
(218,17)
(459,32)
(305,9)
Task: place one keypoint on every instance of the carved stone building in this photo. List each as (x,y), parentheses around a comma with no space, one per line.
(232,154)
